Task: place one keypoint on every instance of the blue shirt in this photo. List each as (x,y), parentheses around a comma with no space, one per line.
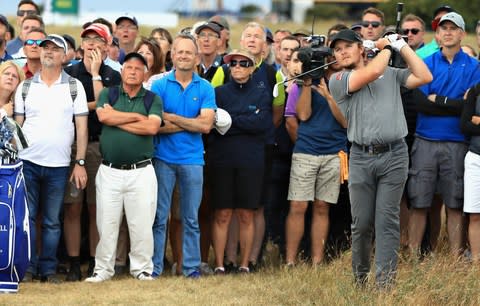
(183,148)
(450,80)
(321,134)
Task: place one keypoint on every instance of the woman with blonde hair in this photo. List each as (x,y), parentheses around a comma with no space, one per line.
(10,76)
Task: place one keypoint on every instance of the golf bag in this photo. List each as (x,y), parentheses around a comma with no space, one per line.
(14,227)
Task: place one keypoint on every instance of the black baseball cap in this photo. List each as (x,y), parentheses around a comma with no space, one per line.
(442,8)
(209,25)
(136,55)
(346,35)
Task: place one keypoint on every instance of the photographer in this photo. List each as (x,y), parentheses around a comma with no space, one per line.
(369,97)
(315,172)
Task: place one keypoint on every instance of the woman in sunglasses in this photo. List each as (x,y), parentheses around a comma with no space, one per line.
(236,156)
(10,76)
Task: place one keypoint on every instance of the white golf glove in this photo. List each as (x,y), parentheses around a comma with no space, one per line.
(369,44)
(396,41)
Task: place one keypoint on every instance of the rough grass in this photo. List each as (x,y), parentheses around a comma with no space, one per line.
(437,280)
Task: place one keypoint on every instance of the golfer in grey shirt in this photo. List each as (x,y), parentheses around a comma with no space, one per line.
(369,98)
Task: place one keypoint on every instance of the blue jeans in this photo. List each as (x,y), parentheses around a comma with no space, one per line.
(190,181)
(45,190)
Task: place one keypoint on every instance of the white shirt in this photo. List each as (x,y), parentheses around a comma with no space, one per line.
(48,124)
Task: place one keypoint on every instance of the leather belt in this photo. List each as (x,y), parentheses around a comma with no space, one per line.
(140,164)
(379,148)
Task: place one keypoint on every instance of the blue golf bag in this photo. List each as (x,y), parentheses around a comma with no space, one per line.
(14,227)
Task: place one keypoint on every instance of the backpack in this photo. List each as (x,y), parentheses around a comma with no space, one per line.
(72,84)
(14,227)
(114,93)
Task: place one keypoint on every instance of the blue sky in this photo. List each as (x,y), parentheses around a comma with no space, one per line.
(8,7)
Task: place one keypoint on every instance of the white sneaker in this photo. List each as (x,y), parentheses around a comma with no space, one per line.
(205,269)
(144,276)
(95,278)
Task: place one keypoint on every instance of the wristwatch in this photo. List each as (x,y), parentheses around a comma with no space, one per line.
(80,162)
(97,78)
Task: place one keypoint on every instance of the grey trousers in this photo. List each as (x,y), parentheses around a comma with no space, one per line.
(376,183)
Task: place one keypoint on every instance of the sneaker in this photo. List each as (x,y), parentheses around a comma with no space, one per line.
(194,275)
(205,269)
(219,271)
(52,279)
(120,270)
(28,277)
(243,270)
(253,266)
(144,276)
(230,268)
(95,278)
(74,274)
(91,266)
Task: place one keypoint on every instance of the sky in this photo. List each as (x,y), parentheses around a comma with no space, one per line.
(8,7)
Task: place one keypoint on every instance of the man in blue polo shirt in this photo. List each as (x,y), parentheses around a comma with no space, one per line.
(439,147)
(189,105)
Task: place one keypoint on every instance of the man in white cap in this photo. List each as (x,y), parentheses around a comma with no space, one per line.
(44,107)
(439,147)
(126,31)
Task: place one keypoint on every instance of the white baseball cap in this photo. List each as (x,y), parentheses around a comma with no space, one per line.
(223,121)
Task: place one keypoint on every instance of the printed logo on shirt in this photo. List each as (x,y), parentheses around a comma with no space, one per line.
(261,85)
(339,76)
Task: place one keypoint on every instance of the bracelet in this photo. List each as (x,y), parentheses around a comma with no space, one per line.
(96,78)
(388,47)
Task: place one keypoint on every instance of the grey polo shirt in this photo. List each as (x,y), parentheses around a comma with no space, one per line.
(375,112)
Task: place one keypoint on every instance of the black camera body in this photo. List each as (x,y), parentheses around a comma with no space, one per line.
(314,57)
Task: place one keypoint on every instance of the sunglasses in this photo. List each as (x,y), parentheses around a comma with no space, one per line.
(21,13)
(31,42)
(414,31)
(374,24)
(242,63)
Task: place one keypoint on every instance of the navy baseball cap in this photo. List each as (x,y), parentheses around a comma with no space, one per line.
(136,55)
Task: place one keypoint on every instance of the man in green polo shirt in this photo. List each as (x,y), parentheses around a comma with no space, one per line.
(126,179)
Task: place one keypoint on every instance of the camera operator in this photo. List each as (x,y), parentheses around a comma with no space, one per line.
(315,173)
(369,97)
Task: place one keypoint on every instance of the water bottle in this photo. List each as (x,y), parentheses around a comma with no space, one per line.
(74,191)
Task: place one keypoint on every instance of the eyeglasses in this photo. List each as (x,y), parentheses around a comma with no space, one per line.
(21,13)
(204,35)
(414,31)
(89,39)
(374,24)
(31,42)
(242,63)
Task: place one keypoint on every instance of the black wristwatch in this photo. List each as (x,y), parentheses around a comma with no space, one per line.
(80,162)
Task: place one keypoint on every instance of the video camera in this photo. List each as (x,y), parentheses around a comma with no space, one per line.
(314,57)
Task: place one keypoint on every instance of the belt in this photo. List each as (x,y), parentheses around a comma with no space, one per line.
(378,148)
(140,164)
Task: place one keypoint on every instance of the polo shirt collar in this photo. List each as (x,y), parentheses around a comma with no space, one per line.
(171,76)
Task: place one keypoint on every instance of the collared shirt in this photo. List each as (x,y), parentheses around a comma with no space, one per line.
(6,57)
(119,146)
(427,49)
(451,80)
(184,148)
(28,74)
(48,125)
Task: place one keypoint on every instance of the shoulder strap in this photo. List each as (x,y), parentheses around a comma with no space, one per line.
(113,94)
(72,84)
(25,88)
(148,100)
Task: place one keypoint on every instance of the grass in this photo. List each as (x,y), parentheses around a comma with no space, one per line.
(437,280)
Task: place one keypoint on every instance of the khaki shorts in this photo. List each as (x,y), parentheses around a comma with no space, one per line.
(314,178)
(93,159)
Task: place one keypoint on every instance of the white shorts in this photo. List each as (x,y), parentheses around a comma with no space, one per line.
(471,196)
